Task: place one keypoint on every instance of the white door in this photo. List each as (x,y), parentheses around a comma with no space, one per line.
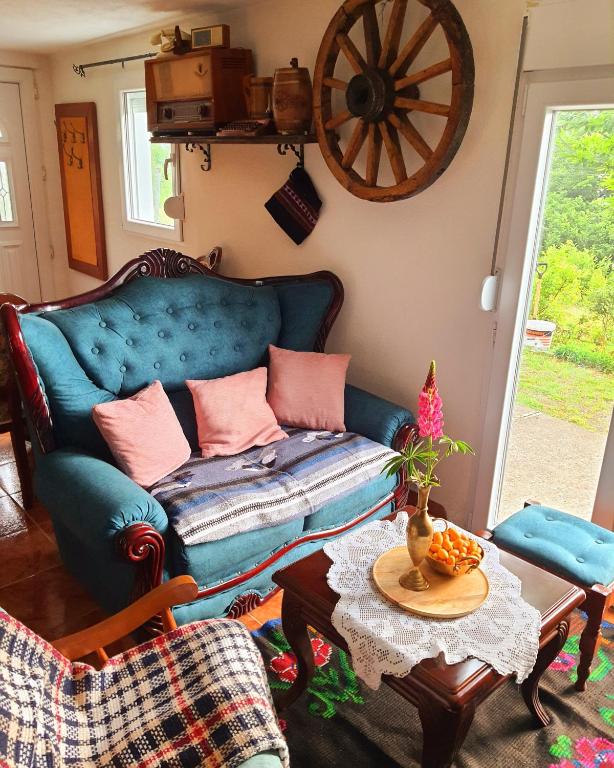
(553,454)
(18,258)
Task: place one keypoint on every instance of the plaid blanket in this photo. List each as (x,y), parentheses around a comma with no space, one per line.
(210,499)
(197,696)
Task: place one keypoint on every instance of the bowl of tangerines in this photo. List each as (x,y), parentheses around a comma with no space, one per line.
(453,553)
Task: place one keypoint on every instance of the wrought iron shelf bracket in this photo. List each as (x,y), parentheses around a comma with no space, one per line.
(283,149)
(206,150)
(298,150)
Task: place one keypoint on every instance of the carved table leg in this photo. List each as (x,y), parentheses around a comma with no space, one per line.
(547,654)
(297,634)
(444,731)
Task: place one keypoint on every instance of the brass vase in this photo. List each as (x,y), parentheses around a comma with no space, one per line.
(419,537)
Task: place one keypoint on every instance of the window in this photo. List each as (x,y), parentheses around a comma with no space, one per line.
(150,172)
(6,202)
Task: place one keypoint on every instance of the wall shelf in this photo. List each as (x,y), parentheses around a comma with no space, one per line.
(294,143)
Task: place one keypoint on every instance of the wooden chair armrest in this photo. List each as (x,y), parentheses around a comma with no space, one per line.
(181,589)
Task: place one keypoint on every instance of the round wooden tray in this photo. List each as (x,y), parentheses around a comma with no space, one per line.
(448,597)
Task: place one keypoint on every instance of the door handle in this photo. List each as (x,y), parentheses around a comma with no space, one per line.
(167,162)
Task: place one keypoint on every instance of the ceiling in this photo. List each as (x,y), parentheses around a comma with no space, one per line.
(42,26)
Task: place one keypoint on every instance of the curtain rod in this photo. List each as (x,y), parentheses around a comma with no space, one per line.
(79,69)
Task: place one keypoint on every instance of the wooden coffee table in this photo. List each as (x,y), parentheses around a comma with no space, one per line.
(446,695)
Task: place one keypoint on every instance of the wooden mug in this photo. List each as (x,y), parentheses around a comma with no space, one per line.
(258,96)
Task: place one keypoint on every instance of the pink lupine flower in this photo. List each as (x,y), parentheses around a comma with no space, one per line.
(430,413)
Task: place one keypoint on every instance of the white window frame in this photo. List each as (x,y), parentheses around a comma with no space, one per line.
(147,229)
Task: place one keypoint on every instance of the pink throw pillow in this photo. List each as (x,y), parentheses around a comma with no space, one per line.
(233,415)
(143,434)
(306,389)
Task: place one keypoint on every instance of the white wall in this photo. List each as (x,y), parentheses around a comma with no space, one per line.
(412,270)
(570,33)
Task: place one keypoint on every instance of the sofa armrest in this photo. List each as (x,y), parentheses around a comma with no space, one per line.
(375,418)
(92,498)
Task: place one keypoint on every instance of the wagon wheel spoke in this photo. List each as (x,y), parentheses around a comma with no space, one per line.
(355,143)
(352,54)
(374,153)
(432,107)
(425,74)
(338,120)
(333,82)
(395,154)
(409,132)
(390,48)
(413,47)
(373,42)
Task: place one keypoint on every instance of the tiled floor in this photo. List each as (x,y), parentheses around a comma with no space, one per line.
(34,586)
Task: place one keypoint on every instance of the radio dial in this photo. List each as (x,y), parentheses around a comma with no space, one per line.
(168,113)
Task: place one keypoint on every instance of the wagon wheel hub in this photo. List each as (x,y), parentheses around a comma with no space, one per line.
(370,94)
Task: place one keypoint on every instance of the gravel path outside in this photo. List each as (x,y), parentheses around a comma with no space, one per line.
(552,461)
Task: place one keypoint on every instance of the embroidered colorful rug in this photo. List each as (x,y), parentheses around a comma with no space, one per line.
(338,721)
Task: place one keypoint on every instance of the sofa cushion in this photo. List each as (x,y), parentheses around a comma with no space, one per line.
(221,560)
(345,508)
(233,415)
(210,499)
(143,434)
(306,389)
(216,561)
(574,548)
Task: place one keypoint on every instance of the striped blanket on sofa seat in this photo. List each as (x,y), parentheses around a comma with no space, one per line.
(211,499)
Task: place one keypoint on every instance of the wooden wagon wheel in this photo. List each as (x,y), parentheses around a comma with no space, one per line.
(382,93)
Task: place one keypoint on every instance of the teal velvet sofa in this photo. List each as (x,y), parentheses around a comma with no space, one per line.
(165,316)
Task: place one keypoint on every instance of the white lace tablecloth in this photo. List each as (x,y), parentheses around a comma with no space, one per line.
(385,639)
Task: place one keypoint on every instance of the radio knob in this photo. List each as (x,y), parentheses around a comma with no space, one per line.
(203,110)
(168,113)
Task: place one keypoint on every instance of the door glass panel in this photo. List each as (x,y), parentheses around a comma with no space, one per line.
(565,387)
(6,203)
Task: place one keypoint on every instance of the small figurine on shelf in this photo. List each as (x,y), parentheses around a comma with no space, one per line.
(419,460)
(172,41)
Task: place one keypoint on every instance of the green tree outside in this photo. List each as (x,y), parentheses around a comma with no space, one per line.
(577,288)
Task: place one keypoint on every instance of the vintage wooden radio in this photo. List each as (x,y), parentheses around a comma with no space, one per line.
(197,92)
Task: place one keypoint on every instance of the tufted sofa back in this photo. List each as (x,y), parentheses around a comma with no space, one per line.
(194,327)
